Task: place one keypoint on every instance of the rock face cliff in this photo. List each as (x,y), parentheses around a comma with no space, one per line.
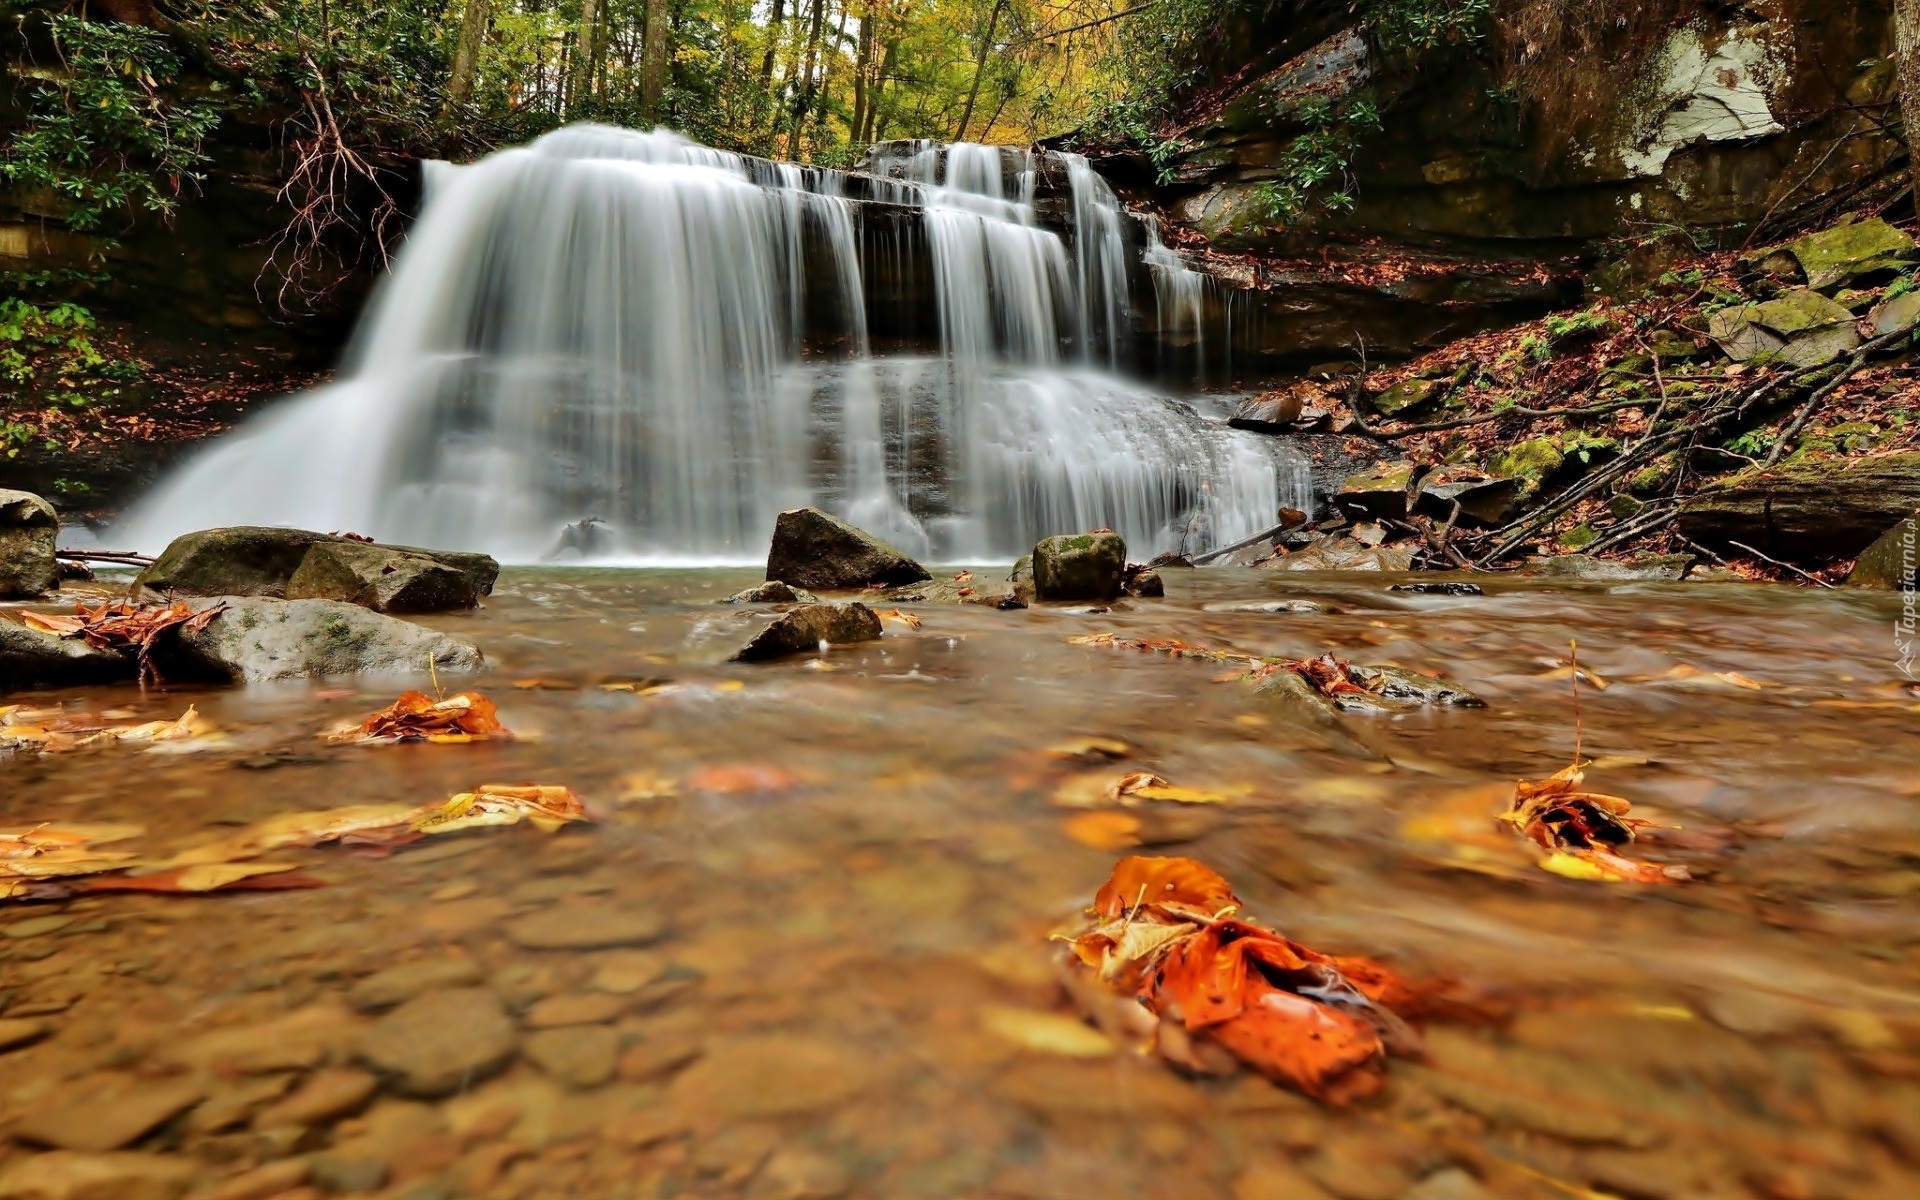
(1501,167)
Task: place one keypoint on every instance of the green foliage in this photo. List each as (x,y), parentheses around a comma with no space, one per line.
(1423,25)
(101,131)
(1755,443)
(51,358)
(1314,168)
(1563,329)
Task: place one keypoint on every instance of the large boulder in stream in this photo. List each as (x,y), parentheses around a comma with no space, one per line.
(258,638)
(30,658)
(1892,563)
(804,629)
(1813,510)
(253,560)
(28,530)
(815,549)
(1080,566)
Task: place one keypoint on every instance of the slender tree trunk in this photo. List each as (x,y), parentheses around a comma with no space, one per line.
(1906,37)
(466,52)
(587,45)
(803,99)
(773,42)
(979,69)
(879,89)
(862,66)
(653,60)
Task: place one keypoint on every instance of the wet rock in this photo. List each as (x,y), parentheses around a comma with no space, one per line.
(20,1031)
(29,529)
(263,1182)
(30,658)
(969,587)
(349,1176)
(1083,566)
(1802,328)
(1893,561)
(814,549)
(659,1055)
(580,1056)
(382,578)
(801,630)
(1270,412)
(1439,589)
(397,985)
(1379,493)
(442,1042)
(1392,683)
(1344,554)
(1450,1184)
(258,639)
(300,1040)
(1276,1179)
(64,1175)
(325,1096)
(769,1075)
(582,927)
(1020,579)
(1644,568)
(1358,1167)
(1848,252)
(106,1112)
(575,1008)
(1898,315)
(232,1103)
(1410,398)
(1483,499)
(773,591)
(1815,510)
(1146,585)
(795,1173)
(253,560)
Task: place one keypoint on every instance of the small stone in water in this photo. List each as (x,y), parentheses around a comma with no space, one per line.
(441,1042)
(575,1008)
(661,1054)
(582,928)
(769,1075)
(64,1175)
(580,1056)
(106,1112)
(19,1031)
(626,972)
(34,927)
(325,1096)
(397,985)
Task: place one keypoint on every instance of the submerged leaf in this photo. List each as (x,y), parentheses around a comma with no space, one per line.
(1581,831)
(416,717)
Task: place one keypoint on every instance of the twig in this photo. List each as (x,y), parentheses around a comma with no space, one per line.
(126,557)
(1814,401)
(1223,551)
(1633,529)
(1515,411)
(1776,562)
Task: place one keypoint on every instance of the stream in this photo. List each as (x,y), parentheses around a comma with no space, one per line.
(849,866)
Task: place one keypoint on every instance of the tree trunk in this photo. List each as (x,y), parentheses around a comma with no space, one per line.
(773,42)
(803,98)
(980,68)
(862,67)
(653,60)
(587,45)
(879,89)
(466,52)
(1906,37)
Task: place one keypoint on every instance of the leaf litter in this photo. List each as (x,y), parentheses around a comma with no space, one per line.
(1167,932)
(125,627)
(58,731)
(416,717)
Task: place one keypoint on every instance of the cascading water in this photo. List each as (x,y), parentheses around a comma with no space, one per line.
(676,340)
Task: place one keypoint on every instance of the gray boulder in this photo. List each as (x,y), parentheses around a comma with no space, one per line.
(382,578)
(801,630)
(1411,687)
(1484,499)
(1890,563)
(1847,252)
(30,658)
(28,530)
(259,638)
(814,549)
(252,560)
(1812,510)
(1380,492)
(1802,328)
(1080,566)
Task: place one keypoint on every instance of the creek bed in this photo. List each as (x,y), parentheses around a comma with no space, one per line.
(857,859)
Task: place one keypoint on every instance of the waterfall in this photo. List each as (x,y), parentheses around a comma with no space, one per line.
(675,339)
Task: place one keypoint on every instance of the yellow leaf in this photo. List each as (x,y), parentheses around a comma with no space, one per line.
(1045,1032)
(1573,866)
(208,877)
(1092,749)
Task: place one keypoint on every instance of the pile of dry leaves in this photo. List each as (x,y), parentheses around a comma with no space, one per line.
(417,717)
(126,627)
(1165,931)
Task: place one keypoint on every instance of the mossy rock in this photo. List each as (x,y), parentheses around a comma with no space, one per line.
(29,530)
(1848,252)
(1409,398)
(1655,478)
(1080,566)
(1580,536)
(1891,562)
(1382,492)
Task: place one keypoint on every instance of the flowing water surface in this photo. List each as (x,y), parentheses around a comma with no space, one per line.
(854,862)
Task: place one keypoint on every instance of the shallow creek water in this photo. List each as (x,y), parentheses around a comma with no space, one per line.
(856,860)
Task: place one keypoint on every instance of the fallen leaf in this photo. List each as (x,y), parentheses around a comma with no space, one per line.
(417,717)
(1581,832)
(546,683)
(1045,1032)
(299,829)
(647,685)
(645,785)
(1184,882)
(126,627)
(893,614)
(1092,749)
(741,779)
(544,806)
(210,877)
